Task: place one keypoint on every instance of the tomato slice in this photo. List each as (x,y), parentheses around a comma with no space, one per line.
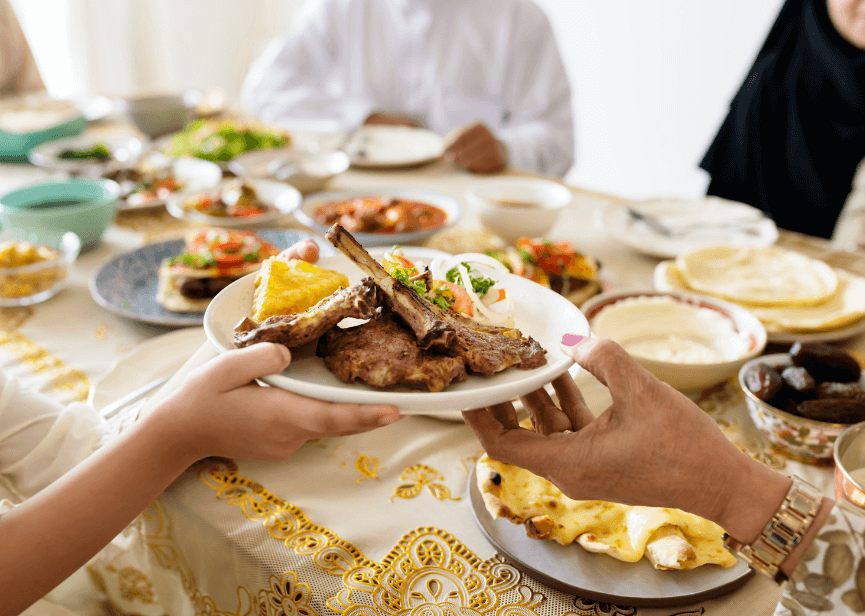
(462,301)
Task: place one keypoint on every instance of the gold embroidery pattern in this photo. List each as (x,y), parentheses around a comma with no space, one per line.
(63,379)
(418,476)
(428,572)
(286,597)
(134,585)
(367,467)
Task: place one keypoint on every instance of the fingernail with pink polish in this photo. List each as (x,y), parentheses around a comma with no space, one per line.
(570,340)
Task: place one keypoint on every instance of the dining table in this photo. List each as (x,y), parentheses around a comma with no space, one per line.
(375,523)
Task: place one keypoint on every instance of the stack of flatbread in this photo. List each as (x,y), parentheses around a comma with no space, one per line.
(789,292)
(670,539)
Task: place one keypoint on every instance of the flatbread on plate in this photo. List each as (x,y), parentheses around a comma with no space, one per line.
(844,308)
(772,277)
(669,538)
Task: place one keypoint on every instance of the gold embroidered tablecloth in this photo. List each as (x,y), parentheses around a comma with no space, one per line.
(370,524)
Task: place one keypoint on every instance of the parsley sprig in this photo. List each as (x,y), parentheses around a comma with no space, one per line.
(480,284)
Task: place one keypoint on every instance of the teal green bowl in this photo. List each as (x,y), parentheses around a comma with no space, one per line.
(85,207)
(16,146)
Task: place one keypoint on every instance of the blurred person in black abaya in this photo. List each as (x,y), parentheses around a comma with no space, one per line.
(795,132)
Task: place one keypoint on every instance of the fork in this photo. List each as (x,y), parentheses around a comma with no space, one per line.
(662,229)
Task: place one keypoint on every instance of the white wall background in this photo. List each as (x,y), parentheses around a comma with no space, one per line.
(651,78)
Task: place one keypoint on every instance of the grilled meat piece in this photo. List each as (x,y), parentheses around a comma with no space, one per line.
(431,331)
(360,301)
(485,349)
(384,353)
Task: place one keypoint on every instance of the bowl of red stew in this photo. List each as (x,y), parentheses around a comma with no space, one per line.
(236,203)
(381,217)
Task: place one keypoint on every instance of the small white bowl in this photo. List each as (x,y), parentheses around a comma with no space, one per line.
(282,199)
(308,172)
(688,340)
(518,207)
(160,114)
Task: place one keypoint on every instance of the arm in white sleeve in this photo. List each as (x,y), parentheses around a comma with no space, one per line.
(41,439)
(539,132)
(828,581)
(300,81)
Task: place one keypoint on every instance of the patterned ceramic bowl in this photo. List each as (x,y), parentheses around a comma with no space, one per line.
(803,440)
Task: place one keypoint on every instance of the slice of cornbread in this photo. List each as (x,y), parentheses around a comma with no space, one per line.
(289,287)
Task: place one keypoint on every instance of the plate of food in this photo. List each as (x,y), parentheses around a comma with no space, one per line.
(666,228)
(170,283)
(381,217)
(236,203)
(795,297)
(383,146)
(153,179)
(220,140)
(87,154)
(608,552)
(461,334)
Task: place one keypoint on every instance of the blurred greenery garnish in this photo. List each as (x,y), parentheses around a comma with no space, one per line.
(221,141)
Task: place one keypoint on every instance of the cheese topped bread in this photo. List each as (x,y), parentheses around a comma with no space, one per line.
(668,538)
(292,286)
(771,277)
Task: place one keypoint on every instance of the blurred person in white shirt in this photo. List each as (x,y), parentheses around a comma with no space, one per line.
(485,73)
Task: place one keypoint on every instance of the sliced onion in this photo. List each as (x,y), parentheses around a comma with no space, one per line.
(493,317)
(474,257)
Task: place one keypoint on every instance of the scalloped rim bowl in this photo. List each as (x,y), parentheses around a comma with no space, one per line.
(802,439)
(688,376)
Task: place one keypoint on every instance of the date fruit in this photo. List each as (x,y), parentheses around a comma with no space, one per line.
(764,382)
(833,410)
(799,379)
(825,362)
(851,391)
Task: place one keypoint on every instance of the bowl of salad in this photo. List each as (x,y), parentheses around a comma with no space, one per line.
(219,141)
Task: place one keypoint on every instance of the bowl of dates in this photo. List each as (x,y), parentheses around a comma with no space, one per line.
(803,400)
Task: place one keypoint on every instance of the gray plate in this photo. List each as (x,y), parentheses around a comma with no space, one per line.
(127,283)
(599,577)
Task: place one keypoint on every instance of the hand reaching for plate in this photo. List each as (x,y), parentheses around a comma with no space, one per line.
(653,446)
(221,411)
(476,149)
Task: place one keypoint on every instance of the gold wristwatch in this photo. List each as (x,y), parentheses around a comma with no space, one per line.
(783,533)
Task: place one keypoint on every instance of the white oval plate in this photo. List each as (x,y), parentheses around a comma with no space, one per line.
(540,313)
(281,197)
(382,147)
(124,148)
(452,209)
(663,282)
(726,222)
(194,174)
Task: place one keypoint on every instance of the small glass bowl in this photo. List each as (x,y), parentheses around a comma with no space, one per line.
(30,284)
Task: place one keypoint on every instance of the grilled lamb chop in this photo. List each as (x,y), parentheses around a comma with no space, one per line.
(485,349)
(360,301)
(384,353)
(418,313)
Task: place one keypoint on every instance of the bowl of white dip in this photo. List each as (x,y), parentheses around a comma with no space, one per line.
(688,340)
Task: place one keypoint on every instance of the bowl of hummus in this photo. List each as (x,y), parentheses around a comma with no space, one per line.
(688,340)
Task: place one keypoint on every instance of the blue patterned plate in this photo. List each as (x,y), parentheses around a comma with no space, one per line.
(127,284)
